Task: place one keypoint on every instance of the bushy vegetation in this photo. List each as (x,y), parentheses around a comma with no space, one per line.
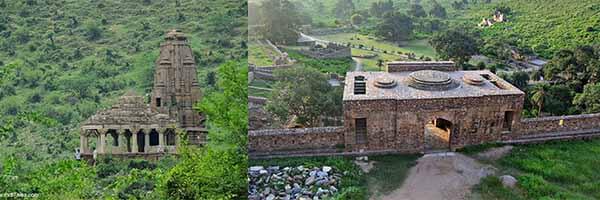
(61,61)
(556,170)
(336,66)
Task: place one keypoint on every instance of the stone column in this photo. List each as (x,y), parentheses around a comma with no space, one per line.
(121,146)
(102,142)
(161,139)
(83,142)
(134,147)
(147,142)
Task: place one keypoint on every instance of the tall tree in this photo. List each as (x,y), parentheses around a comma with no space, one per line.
(395,27)
(280,20)
(304,93)
(343,9)
(457,44)
(438,10)
(539,97)
(417,10)
(589,100)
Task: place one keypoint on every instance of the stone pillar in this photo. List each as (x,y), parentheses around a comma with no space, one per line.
(102,141)
(134,147)
(121,145)
(83,142)
(161,139)
(147,142)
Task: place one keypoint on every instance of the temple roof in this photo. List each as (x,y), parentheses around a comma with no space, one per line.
(130,110)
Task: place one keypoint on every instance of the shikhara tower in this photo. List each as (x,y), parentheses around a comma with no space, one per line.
(176,87)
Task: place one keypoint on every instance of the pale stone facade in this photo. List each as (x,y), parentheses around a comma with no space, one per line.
(133,128)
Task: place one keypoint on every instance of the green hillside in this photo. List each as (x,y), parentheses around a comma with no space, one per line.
(61,61)
(545,26)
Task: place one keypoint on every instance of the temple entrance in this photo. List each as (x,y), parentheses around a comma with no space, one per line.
(437,135)
(141,141)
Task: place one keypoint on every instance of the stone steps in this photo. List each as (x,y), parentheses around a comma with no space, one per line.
(566,135)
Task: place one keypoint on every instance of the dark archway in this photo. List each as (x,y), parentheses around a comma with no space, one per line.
(437,135)
(154,138)
(141,141)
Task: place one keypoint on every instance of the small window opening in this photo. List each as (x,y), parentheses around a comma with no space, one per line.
(508,118)
(360,86)
(158,102)
(361,130)
(153,138)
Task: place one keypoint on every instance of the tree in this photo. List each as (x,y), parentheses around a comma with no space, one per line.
(356,19)
(280,20)
(343,9)
(438,10)
(217,171)
(539,97)
(588,100)
(380,8)
(395,27)
(304,93)
(519,79)
(417,10)
(93,30)
(456,44)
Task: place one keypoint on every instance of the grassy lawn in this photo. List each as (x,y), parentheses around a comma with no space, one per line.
(388,173)
(556,170)
(259,54)
(338,66)
(370,64)
(418,47)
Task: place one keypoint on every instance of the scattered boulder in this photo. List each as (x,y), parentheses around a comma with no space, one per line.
(299,182)
(508,181)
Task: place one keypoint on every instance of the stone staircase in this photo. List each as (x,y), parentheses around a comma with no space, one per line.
(565,135)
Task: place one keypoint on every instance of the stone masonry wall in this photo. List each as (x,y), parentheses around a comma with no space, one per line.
(282,140)
(553,124)
(398,125)
(416,66)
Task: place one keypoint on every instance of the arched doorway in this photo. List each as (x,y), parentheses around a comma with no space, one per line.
(437,135)
(141,141)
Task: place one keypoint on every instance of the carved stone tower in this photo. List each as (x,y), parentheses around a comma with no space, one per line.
(176,87)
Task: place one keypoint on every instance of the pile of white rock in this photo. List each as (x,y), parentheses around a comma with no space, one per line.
(292,182)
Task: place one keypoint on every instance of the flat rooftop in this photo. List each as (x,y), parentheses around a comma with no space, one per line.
(425,84)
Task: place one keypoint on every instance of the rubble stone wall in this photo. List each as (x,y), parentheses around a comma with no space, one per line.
(398,125)
(416,66)
(553,124)
(277,140)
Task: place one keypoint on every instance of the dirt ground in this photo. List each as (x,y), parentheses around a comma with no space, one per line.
(448,176)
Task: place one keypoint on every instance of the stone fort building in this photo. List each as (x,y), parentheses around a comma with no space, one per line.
(133,128)
(419,107)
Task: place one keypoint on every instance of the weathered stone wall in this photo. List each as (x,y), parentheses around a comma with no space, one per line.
(420,65)
(553,124)
(398,125)
(328,54)
(289,140)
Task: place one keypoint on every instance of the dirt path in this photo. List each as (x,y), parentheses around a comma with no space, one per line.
(357,64)
(440,176)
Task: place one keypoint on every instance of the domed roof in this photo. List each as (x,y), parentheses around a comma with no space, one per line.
(431,80)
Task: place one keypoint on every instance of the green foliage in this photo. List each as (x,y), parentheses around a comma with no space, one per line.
(343,9)
(457,44)
(279,20)
(218,170)
(357,19)
(395,26)
(416,10)
(438,10)
(589,100)
(389,172)
(305,94)
(491,187)
(337,66)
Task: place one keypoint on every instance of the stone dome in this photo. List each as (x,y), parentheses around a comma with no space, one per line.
(473,79)
(385,83)
(431,80)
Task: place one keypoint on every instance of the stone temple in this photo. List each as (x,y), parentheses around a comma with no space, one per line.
(132,127)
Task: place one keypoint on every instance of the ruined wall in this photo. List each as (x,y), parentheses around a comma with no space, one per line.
(345,52)
(553,124)
(289,140)
(420,65)
(398,125)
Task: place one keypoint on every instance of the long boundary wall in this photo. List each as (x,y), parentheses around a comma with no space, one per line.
(322,141)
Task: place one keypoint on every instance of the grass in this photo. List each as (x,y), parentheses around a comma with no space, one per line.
(555,170)
(388,173)
(259,54)
(258,93)
(418,47)
(337,66)
(370,64)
